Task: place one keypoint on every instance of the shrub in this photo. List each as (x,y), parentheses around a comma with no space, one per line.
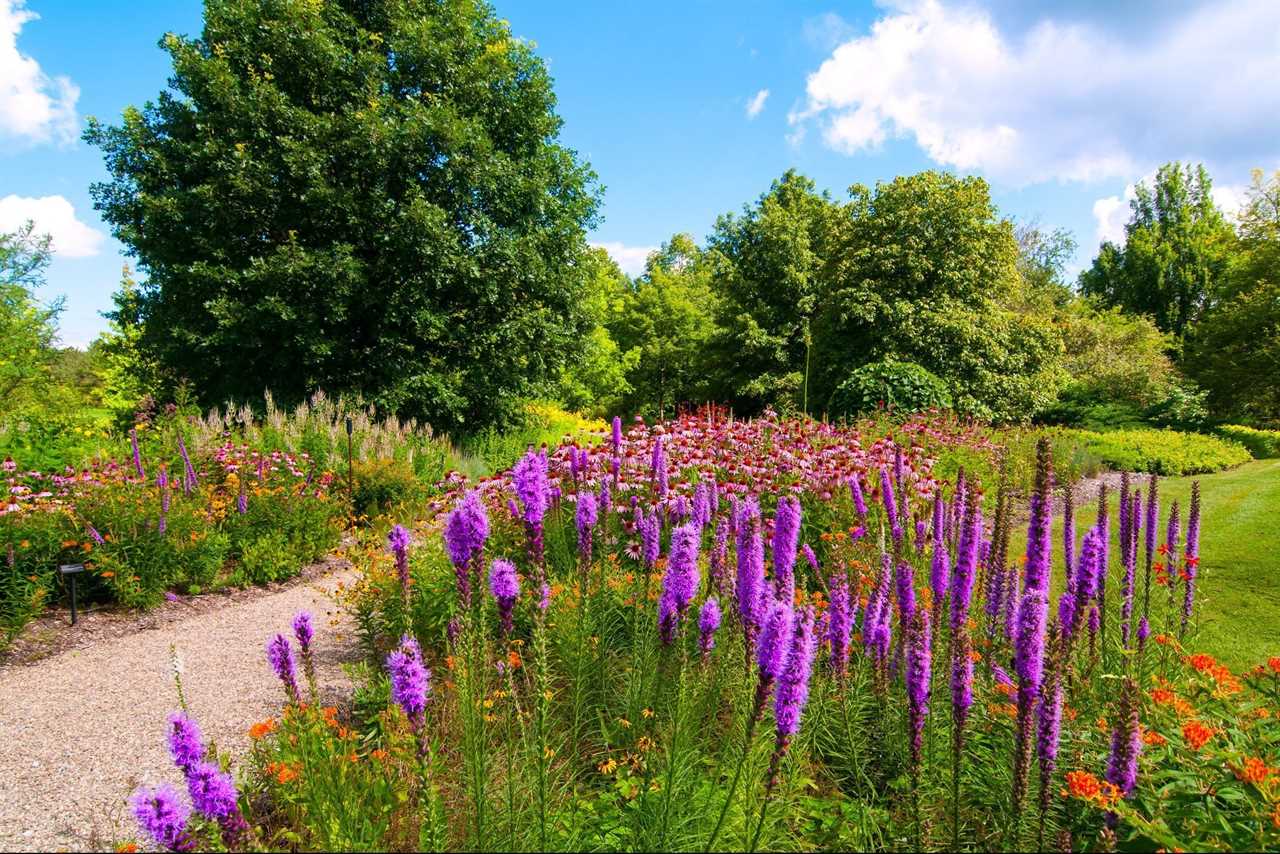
(1262,444)
(1166,452)
(381,484)
(901,386)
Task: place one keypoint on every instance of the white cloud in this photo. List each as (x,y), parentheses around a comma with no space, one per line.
(52,215)
(1065,101)
(756,104)
(34,107)
(630,258)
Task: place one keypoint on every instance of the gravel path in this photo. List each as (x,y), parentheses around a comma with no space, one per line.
(79,731)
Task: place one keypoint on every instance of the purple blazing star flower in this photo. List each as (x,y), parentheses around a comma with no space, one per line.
(1049,723)
(786,536)
(242,501)
(616,436)
(280,656)
(966,568)
(162,815)
(465,531)
(809,556)
(680,582)
(410,682)
(840,625)
(855,491)
(162,483)
(651,537)
(303,631)
(1126,743)
(659,464)
(890,506)
(919,660)
(529,476)
(750,585)
(137,454)
(793,684)
(719,554)
(213,792)
(708,623)
(94,535)
(774,643)
(586,516)
(544,597)
(504,584)
(185,743)
(1191,557)
(906,591)
(701,505)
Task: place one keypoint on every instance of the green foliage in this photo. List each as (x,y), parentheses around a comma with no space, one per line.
(382,484)
(540,424)
(1166,452)
(126,373)
(666,322)
(364,197)
(900,386)
(770,281)
(27,328)
(1262,444)
(923,268)
(1176,251)
(596,382)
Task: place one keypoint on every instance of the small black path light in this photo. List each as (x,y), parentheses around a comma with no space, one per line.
(69,571)
(351,480)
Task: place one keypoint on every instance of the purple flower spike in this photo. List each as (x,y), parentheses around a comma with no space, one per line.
(213,792)
(185,743)
(840,625)
(586,516)
(504,584)
(708,623)
(775,641)
(163,816)
(303,631)
(855,491)
(280,655)
(793,687)
(398,540)
(786,536)
(410,683)
(919,660)
(680,582)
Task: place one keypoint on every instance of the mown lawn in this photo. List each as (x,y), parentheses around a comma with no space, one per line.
(1239,584)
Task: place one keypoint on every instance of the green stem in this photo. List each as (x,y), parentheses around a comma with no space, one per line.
(737,777)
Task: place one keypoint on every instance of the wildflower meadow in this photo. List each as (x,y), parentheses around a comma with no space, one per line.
(771,634)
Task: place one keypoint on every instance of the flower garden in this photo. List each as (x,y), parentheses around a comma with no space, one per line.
(717,634)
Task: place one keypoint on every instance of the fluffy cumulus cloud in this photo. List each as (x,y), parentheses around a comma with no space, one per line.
(1056,99)
(756,104)
(55,216)
(34,107)
(630,258)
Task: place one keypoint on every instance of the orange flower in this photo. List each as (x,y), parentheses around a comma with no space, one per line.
(1255,771)
(1151,738)
(262,728)
(1274,663)
(1005,688)
(1275,816)
(126,848)
(285,775)
(1196,734)
(1083,785)
(1162,639)
(1202,661)
(1162,696)
(513,659)
(379,754)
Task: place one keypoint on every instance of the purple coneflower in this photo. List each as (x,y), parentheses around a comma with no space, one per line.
(504,584)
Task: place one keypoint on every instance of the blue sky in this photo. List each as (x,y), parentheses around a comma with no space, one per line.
(688,110)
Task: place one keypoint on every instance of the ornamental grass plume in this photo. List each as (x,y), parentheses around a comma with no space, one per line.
(680,581)
(304,634)
(585,517)
(398,541)
(186,745)
(162,815)
(504,584)
(280,656)
(839,624)
(1190,557)
(708,624)
(786,538)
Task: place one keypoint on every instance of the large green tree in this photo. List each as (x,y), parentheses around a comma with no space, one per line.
(1176,251)
(923,274)
(28,327)
(361,195)
(774,256)
(663,329)
(1234,353)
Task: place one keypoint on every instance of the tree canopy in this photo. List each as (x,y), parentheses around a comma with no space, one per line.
(361,195)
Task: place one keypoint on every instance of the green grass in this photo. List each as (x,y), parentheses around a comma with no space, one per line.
(1238,599)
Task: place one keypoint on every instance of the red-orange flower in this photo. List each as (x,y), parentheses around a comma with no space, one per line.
(1196,734)
(262,729)
(1255,771)
(1274,663)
